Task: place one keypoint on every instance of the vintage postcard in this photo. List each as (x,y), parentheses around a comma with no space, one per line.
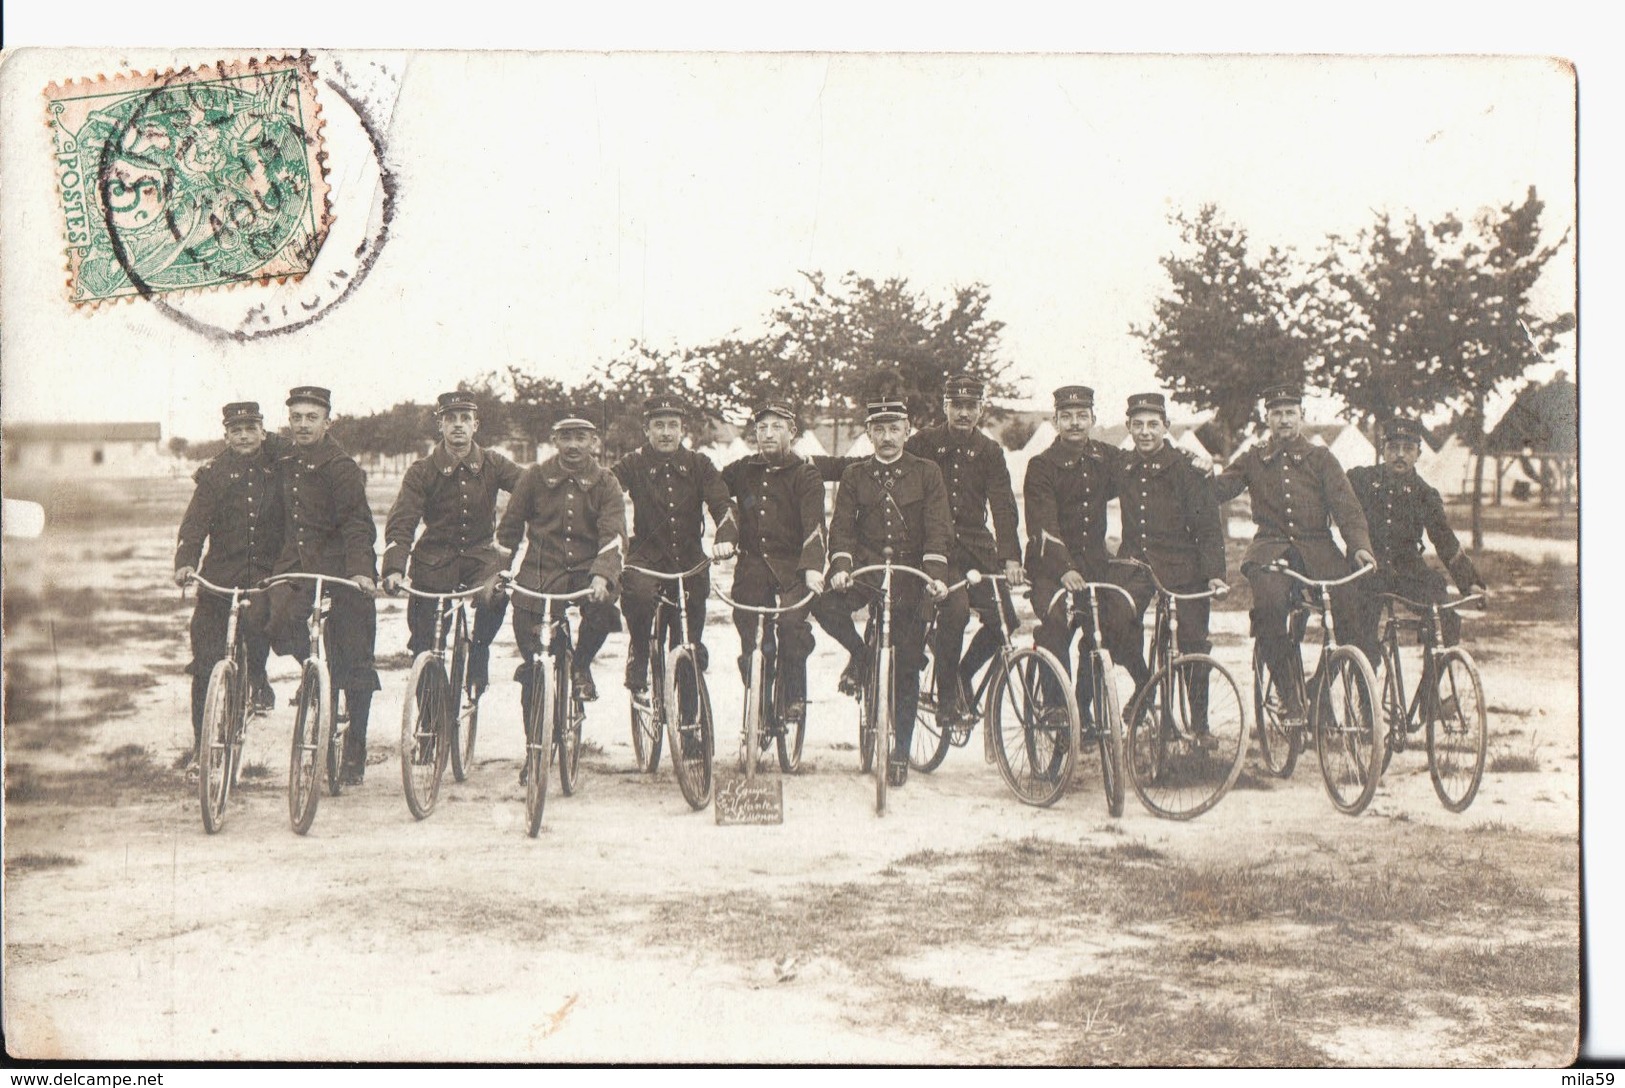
(795,558)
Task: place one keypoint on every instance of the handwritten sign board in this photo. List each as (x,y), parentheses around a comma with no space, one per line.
(741,802)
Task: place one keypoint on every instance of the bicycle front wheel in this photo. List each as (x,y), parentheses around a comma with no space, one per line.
(1278,741)
(929,744)
(1346,734)
(538,751)
(1187,738)
(425,734)
(1108,733)
(313,704)
(465,716)
(1457,735)
(885,694)
(217,746)
(648,716)
(789,736)
(693,743)
(1031,718)
(568,713)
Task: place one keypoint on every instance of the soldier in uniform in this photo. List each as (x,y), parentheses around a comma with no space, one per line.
(670,488)
(781,547)
(892,502)
(237,512)
(1297,489)
(1066,491)
(453,493)
(329,531)
(1399,507)
(1171,522)
(571,513)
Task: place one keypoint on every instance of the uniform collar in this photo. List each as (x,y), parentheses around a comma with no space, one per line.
(655,459)
(1060,451)
(553,473)
(318,455)
(1159,458)
(1272,449)
(791,460)
(446,462)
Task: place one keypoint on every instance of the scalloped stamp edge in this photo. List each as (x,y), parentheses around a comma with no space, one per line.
(81,193)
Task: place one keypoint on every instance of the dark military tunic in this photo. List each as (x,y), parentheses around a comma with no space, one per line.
(1170,518)
(781,536)
(670,495)
(329,531)
(978,481)
(1298,489)
(1066,492)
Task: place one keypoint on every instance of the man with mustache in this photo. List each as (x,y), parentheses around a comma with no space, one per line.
(896,503)
(571,514)
(329,531)
(781,548)
(1298,490)
(453,494)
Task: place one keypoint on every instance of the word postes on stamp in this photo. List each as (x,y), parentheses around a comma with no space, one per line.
(204,178)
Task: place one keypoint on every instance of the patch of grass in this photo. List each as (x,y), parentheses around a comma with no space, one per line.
(33,862)
(22,785)
(1503,759)
(1131,851)
(1492,827)
(253,772)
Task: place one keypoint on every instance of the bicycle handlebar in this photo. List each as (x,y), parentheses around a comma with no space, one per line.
(1063,591)
(875,568)
(458,595)
(701,565)
(1130,561)
(224,591)
(766,610)
(506,581)
(1449,606)
(1280,567)
(300,576)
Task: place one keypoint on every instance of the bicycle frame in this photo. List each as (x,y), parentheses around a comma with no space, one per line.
(1321,604)
(755,694)
(1422,702)
(215,795)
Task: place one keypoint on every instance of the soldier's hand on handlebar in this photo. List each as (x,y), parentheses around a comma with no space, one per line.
(1219,587)
(814,580)
(184,575)
(1073,581)
(392,582)
(1013,573)
(937,589)
(600,589)
(722,551)
(1364,558)
(366,585)
(840,581)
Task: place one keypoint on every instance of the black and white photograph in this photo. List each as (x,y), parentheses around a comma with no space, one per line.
(791,558)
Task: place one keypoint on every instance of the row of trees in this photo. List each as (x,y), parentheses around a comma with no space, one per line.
(1405,316)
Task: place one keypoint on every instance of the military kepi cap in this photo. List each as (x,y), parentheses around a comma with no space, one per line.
(1285,393)
(455,402)
(669,404)
(963,387)
(1148,402)
(313,393)
(574,423)
(881,411)
(1401,429)
(241,411)
(1074,396)
(773,408)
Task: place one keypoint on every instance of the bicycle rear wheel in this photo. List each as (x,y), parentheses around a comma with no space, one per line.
(1346,734)
(217,745)
(929,744)
(568,713)
(1278,742)
(465,715)
(649,716)
(426,737)
(693,743)
(313,704)
(1457,735)
(1187,738)
(1031,718)
(538,750)
(338,724)
(885,690)
(1108,733)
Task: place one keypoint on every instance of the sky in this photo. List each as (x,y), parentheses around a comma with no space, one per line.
(553,209)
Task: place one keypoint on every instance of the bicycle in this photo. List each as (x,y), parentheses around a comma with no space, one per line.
(226,711)
(1448,698)
(1187,729)
(765,701)
(317,725)
(436,726)
(1105,721)
(675,681)
(1339,702)
(929,745)
(568,712)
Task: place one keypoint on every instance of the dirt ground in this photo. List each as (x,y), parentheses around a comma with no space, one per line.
(963,927)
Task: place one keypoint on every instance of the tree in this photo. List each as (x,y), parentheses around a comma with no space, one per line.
(1413,318)
(1229,325)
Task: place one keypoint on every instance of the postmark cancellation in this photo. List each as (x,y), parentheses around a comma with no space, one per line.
(203,178)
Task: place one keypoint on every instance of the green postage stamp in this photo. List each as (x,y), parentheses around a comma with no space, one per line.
(202,178)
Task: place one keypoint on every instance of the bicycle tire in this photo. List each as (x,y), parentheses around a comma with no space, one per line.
(426,736)
(693,743)
(866,713)
(929,744)
(538,751)
(464,719)
(1457,744)
(335,749)
(1278,744)
(568,713)
(885,709)
(1035,755)
(1108,734)
(1174,773)
(313,706)
(217,744)
(788,739)
(650,720)
(1345,725)
(1391,702)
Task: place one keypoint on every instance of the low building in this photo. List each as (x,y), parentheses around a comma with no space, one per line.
(84,450)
